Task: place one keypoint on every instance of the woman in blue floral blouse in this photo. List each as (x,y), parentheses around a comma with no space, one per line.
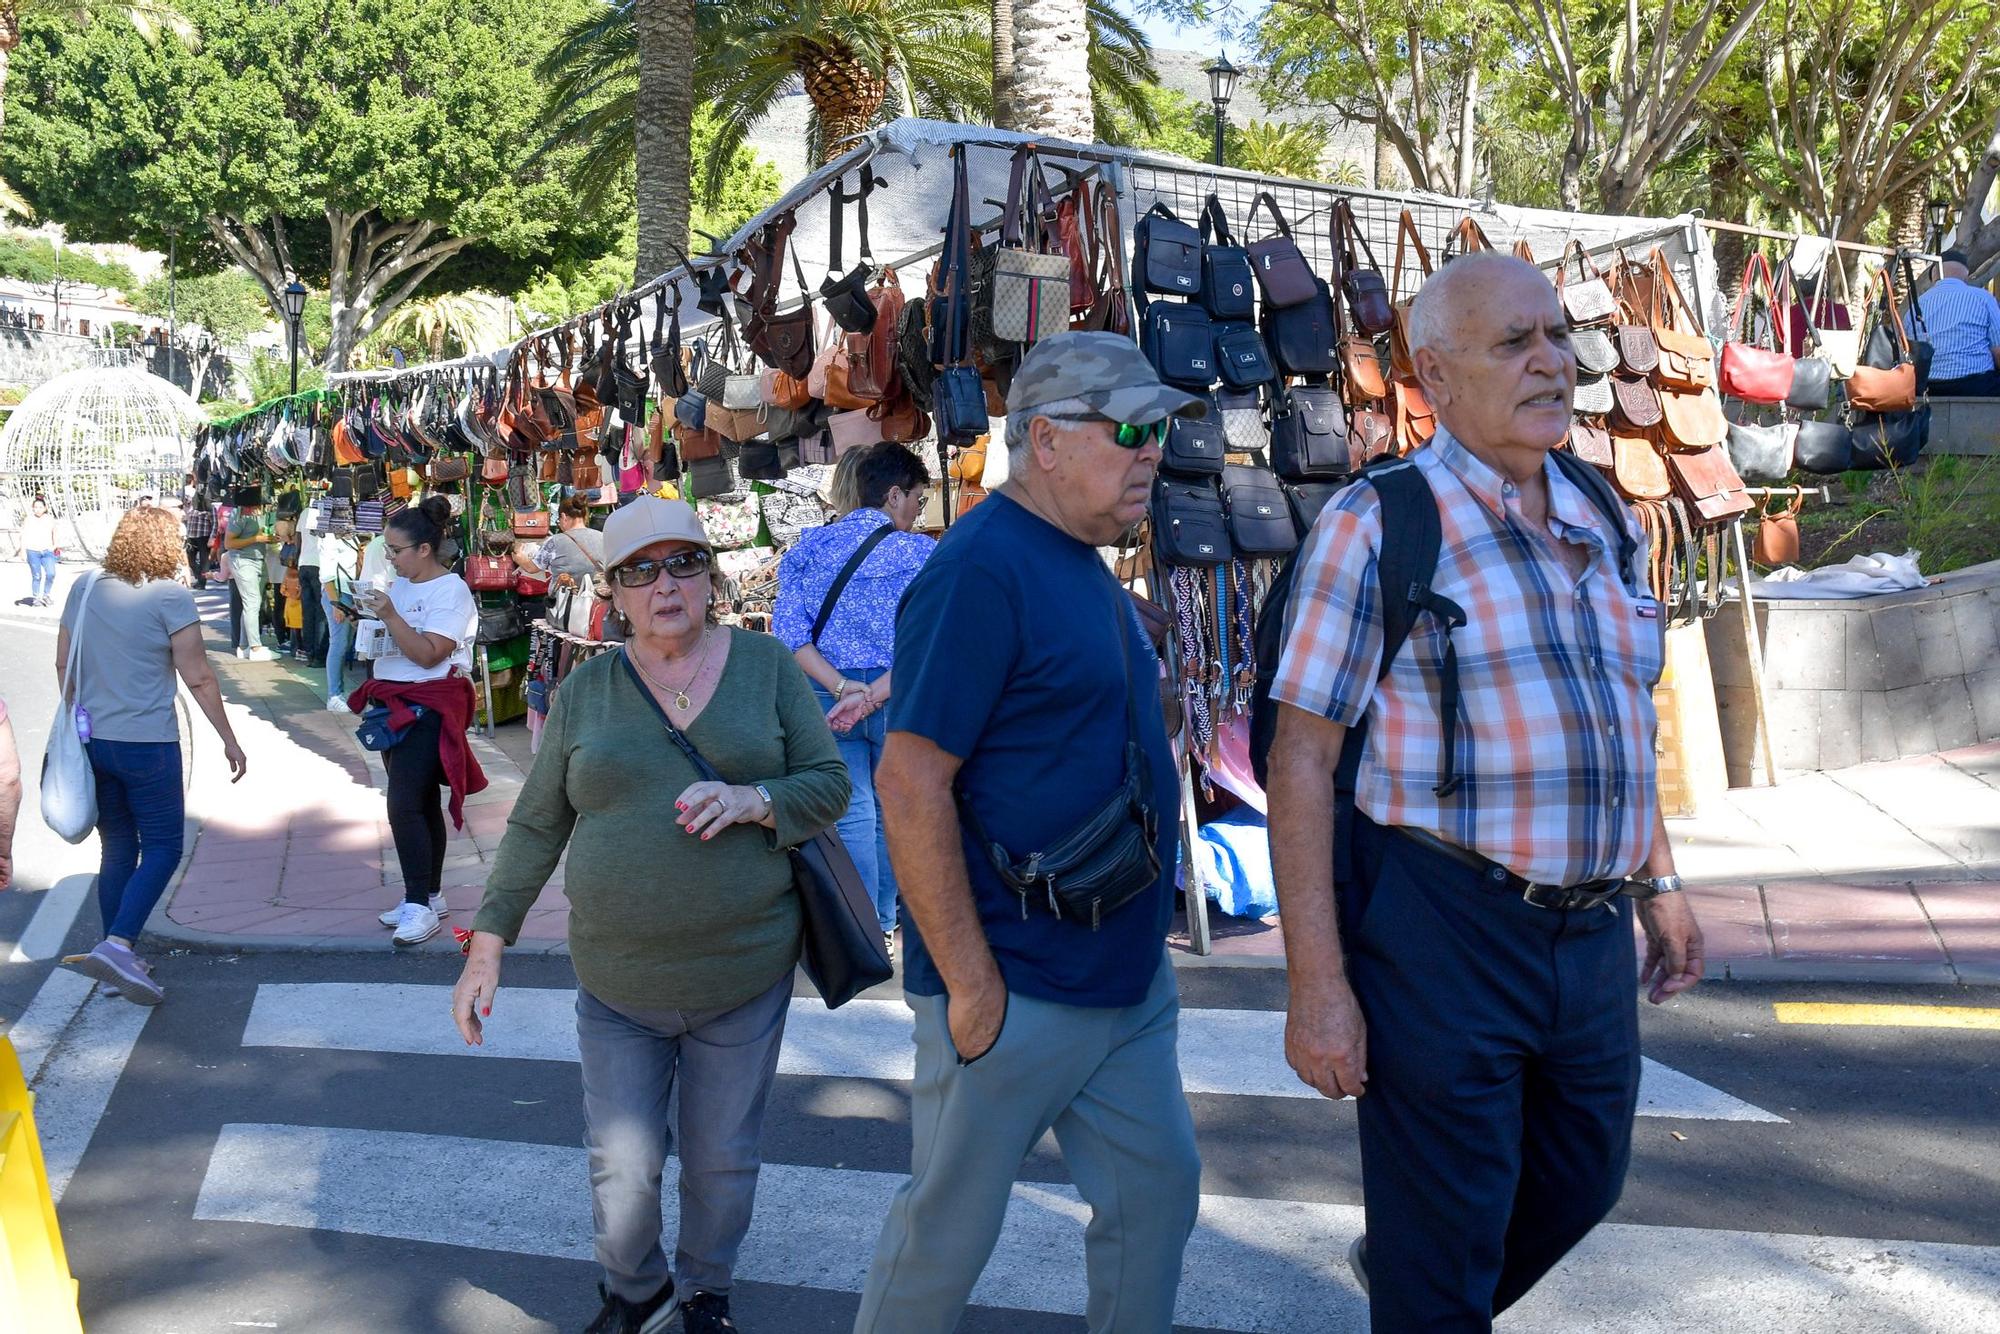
(848,658)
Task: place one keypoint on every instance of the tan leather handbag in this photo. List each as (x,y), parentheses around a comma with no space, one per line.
(1778,536)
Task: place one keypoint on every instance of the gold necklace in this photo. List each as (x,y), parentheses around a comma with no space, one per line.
(680,695)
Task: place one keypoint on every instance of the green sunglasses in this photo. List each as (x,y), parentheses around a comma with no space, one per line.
(1129,436)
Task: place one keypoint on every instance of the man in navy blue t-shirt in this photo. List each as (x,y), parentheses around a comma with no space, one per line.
(1021,675)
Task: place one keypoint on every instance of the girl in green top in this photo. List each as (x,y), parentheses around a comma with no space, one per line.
(683,924)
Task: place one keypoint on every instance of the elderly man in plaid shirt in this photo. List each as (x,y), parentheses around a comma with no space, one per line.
(198,522)
(1473,987)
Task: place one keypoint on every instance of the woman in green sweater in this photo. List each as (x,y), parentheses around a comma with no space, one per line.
(684,932)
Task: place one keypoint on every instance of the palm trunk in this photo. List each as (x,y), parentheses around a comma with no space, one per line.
(846,96)
(1051,88)
(663,130)
(1906,217)
(1003,64)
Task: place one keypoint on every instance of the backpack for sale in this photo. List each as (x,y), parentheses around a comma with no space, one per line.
(1411,537)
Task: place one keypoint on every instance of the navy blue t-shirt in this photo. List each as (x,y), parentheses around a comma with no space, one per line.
(1006,658)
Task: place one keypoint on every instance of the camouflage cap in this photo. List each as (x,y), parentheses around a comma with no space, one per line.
(1105,370)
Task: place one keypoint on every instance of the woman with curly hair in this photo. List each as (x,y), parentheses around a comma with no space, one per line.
(134,626)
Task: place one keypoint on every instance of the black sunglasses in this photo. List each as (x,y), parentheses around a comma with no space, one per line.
(1128,435)
(681,565)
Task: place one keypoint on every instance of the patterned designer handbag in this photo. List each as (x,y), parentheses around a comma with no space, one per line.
(490,574)
(1030,275)
(731,521)
(1242,416)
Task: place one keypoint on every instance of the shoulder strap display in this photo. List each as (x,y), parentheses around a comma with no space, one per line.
(1406,230)
(1264,200)
(847,572)
(1213,219)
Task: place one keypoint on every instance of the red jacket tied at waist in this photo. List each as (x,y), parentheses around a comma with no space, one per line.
(452,700)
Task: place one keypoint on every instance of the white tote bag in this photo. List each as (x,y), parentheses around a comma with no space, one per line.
(69,788)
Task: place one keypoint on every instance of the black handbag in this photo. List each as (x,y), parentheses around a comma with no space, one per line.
(1302,338)
(846,295)
(841,946)
(1309,434)
(1189,527)
(1258,512)
(1227,286)
(1166,254)
(1180,342)
(1112,857)
(1241,357)
(1888,439)
(758,462)
(497,624)
(1308,499)
(1824,447)
(1812,384)
(1194,447)
(958,398)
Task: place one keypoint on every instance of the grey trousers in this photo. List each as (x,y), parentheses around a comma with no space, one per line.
(1108,1083)
(724,1061)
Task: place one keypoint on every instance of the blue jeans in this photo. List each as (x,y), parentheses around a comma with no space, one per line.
(41,573)
(339,644)
(861,828)
(140,813)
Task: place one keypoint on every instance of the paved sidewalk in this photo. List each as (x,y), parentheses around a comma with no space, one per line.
(1887,872)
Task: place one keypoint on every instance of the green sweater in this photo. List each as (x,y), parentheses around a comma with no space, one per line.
(657,917)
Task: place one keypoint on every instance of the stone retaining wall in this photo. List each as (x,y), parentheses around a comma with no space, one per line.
(1852,681)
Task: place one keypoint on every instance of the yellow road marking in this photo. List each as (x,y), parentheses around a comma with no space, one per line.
(1887,1016)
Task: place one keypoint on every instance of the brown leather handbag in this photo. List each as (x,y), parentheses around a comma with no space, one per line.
(1399,333)
(1707,483)
(901,419)
(1361,379)
(871,357)
(1370,435)
(691,444)
(1692,419)
(1416,420)
(530,523)
(781,340)
(1778,536)
(1591,442)
(1634,401)
(1637,469)
(1687,360)
(1110,309)
(1873,388)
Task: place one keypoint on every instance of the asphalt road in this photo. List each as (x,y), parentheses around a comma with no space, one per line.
(243,1176)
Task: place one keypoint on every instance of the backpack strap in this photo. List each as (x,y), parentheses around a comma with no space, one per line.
(1411,537)
(1586,478)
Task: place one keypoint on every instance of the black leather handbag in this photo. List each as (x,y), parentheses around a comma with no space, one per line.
(1166,253)
(958,397)
(1189,527)
(1308,499)
(1309,434)
(845,295)
(1180,342)
(1824,447)
(1888,439)
(1241,357)
(1195,447)
(1258,511)
(841,946)
(1302,338)
(1812,384)
(1109,859)
(1228,290)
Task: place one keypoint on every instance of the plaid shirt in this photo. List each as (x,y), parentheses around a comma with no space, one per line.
(199,520)
(1555,737)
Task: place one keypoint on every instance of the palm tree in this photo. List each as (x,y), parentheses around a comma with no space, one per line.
(150,17)
(1050,91)
(661,151)
(448,325)
(1121,70)
(1275,149)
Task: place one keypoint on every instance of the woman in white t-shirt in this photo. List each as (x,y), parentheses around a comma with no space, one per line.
(432,619)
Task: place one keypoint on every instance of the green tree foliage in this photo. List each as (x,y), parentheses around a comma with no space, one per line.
(33,259)
(229,304)
(1180,125)
(377,148)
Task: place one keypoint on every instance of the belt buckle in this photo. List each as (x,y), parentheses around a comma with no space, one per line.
(1530,895)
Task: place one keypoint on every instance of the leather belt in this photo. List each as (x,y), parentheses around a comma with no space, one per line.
(1590,894)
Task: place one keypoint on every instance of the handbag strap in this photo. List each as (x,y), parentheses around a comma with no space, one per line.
(1887,282)
(76,638)
(847,572)
(678,737)
(836,217)
(1406,229)
(1264,200)
(1351,236)
(1213,218)
(957,262)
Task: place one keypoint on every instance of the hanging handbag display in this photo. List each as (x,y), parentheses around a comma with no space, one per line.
(1841,347)
(1309,500)
(1586,298)
(1111,309)
(840,943)
(1179,340)
(784,340)
(1302,338)
(1686,358)
(1691,419)
(1030,277)
(1596,353)
(845,295)
(1885,380)
(872,372)
(1309,434)
(1280,267)
(1777,542)
(1888,439)
(1749,371)
(1635,403)
(1707,485)
(1194,447)
(1371,434)
(1362,286)
(1812,375)
(1638,470)
(529,523)
(1593,395)
(1399,333)
(1762,453)
(1257,511)
(490,574)
(1824,448)
(1226,282)
(1589,441)
(1416,420)
(1241,357)
(1188,524)
(1166,253)
(958,399)
(1242,415)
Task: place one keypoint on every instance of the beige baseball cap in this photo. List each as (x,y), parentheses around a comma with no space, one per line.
(634,527)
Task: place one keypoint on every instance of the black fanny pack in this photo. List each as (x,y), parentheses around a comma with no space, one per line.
(1107,860)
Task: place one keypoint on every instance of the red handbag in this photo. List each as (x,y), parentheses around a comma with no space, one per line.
(490,574)
(1751,373)
(532,585)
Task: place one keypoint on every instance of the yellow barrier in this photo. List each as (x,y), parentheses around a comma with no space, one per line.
(36,1291)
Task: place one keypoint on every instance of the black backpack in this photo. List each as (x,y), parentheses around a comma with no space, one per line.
(1411,537)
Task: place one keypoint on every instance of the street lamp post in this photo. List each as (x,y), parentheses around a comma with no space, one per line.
(149,345)
(173,254)
(1222,78)
(1938,214)
(295,306)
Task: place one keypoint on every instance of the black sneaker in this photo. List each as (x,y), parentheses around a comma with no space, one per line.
(622,1317)
(707,1313)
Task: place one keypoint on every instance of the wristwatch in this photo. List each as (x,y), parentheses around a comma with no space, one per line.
(765,793)
(1643,888)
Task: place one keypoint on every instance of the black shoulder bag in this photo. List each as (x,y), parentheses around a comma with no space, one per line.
(841,946)
(1108,860)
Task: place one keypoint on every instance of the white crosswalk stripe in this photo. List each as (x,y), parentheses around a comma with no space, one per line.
(1221,1051)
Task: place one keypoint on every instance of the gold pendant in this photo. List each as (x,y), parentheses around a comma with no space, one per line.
(681,701)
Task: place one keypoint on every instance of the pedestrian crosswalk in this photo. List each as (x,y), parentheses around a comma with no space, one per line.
(1266,1256)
